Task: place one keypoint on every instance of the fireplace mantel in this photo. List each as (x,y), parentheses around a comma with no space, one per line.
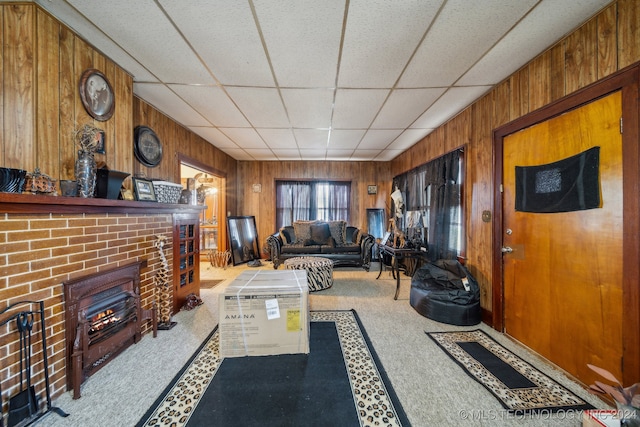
(35,203)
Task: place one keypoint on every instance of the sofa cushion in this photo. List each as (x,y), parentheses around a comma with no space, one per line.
(302,230)
(352,235)
(299,248)
(338,231)
(320,233)
(344,249)
(287,235)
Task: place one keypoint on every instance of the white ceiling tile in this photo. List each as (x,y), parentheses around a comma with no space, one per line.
(378,138)
(542,28)
(311,138)
(365,155)
(404,106)
(388,155)
(309,108)
(225,35)
(238,154)
(408,139)
(148,36)
(261,153)
(303,40)
(336,154)
(375,50)
(287,154)
(278,138)
(356,108)
(213,104)
(262,106)
(244,137)
(169,103)
(452,102)
(345,139)
(312,154)
(214,136)
(480,24)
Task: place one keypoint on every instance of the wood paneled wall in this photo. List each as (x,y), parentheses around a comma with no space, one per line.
(605,44)
(262,205)
(40,67)
(178,140)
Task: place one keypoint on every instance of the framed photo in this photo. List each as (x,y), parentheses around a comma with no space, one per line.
(97,95)
(372,189)
(243,239)
(100,137)
(143,190)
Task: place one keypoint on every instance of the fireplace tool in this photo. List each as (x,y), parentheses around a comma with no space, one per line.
(24,406)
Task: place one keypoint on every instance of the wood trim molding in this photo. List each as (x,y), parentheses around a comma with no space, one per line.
(37,204)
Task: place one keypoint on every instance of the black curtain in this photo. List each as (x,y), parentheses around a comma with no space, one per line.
(434,189)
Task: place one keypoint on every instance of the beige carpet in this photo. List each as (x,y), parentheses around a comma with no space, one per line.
(432,388)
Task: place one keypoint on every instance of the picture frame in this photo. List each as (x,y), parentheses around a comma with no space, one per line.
(372,189)
(385,238)
(101,140)
(143,190)
(97,95)
(243,239)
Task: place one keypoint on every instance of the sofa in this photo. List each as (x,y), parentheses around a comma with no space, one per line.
(344,244)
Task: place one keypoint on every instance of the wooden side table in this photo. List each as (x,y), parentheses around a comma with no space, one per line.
(398,254)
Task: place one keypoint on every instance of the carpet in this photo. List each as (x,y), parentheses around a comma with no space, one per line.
(340,382)
(521,388)
(209,283)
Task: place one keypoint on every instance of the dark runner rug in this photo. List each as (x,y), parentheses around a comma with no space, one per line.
(521,388)
(340,382)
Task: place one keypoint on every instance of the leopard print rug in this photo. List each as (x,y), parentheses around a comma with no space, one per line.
(538,393)
(372,397)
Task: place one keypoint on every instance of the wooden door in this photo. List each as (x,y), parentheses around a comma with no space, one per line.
(186,258)
(563,280)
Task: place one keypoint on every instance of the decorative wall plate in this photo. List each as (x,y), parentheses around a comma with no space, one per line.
(97,95)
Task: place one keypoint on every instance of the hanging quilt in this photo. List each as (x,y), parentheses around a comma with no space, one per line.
(571,184)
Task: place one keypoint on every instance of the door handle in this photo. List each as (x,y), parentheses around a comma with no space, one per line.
(506,250)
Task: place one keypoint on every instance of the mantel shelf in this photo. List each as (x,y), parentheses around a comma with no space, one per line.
(38,204)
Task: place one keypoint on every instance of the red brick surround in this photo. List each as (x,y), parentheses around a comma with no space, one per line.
(40,251)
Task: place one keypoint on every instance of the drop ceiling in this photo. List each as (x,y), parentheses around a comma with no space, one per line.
(344,80)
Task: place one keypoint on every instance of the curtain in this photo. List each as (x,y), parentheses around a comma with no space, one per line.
(293,199)
(309,200)
(433,190)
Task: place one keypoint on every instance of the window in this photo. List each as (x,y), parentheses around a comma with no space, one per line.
(433,193)
(309,200)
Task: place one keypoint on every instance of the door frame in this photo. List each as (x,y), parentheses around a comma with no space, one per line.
(196,164)
(627,81)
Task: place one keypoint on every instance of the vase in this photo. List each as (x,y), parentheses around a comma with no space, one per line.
(629,415)
(86,173)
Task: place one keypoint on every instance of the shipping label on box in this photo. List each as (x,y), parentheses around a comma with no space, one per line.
(265,313)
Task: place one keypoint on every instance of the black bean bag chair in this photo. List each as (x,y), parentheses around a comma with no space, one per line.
(446,292)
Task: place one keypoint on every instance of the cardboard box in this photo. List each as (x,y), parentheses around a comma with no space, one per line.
(265,312)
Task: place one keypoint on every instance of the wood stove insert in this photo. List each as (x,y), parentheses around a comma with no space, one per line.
(103,317)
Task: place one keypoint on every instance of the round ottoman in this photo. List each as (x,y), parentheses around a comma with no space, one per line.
(319,271)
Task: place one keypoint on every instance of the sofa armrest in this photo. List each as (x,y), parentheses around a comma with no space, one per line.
(274,244)
(366,244)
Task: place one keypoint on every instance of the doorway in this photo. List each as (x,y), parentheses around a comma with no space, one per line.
(210,188)
(563,277)
(610,109)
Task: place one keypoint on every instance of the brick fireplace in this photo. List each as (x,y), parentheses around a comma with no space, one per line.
(40,251)
(103,317)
